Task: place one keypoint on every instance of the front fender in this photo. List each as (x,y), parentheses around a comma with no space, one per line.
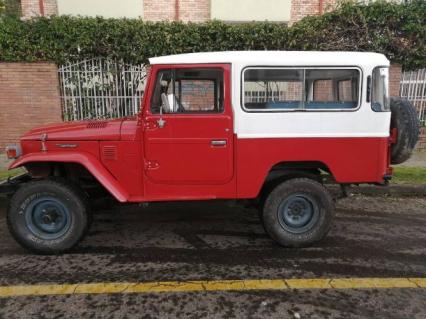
(90,162)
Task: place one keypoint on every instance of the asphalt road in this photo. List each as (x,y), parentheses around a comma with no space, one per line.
(371,237)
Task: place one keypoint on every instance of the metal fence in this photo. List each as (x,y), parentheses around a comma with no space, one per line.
(413,87)
(99,88)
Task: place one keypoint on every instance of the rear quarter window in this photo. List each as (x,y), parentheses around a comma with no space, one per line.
(380,90)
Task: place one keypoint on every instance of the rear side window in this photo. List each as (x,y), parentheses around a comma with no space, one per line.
(269,89)
(331,89)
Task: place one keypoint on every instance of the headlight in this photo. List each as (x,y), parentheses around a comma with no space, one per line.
(13,151)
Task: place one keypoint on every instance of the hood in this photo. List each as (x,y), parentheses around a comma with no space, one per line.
(101,130)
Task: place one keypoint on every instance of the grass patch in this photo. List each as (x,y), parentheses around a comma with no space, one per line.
(5,174)
(409,175)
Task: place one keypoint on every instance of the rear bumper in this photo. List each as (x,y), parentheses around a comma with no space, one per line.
(9,186)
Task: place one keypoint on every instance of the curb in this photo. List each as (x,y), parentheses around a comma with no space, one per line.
(395,190)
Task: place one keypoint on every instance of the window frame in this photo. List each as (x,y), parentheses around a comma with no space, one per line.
(215,83)
(304,68)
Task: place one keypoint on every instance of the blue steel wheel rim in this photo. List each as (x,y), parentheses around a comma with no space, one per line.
(298,213)
(47,218)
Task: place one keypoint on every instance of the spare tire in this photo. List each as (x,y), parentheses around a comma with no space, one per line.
(404,118)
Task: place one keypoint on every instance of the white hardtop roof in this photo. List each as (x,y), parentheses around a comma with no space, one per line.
(260,58)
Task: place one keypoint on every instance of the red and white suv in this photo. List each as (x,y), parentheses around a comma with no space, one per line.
(259,125)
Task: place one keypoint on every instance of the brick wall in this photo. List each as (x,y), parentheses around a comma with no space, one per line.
(29,97)
(421,144)
(31,8)
(303,8)
(395,72)
(194,10)
(198,95)
(323,91)
(50,7)
(189,10)
(158,10)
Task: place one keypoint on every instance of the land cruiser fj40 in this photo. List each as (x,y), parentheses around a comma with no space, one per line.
(264,126)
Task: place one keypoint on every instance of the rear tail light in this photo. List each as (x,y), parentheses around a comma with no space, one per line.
(13,151)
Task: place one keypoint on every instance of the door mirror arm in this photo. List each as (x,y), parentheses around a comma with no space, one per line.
(161,122)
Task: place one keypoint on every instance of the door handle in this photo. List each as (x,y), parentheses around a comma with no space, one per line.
(218,143)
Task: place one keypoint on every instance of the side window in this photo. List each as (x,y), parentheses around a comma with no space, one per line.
(331,89)
(322,91)
(273,89)
(270,89)
(188,91)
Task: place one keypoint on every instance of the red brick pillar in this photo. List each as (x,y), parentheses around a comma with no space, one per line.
(29,97)
(194,10)
(395,72)
(171,10)
(303,8)
(36,8)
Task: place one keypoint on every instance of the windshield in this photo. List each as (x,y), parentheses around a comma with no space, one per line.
(380,90)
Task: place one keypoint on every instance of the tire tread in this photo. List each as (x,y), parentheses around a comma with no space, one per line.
(298,240)
(56,183)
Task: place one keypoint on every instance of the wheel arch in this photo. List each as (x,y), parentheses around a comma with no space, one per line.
(282,171)
(88,161)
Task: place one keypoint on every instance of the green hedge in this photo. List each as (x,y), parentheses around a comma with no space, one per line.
(11,8)
(397,30)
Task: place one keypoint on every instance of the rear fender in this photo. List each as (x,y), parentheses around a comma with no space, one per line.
(90,162)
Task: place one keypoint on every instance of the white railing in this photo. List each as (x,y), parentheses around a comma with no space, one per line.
(413,87)
(99,88)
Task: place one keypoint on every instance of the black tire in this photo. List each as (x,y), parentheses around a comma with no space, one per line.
(404,118)
(48,216)
(307,195)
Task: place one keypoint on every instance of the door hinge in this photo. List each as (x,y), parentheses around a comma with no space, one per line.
(151,164)
(150,125)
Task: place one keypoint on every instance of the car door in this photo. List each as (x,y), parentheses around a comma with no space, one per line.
(188,135)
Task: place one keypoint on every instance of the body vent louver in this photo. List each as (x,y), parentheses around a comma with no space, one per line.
(109,152)
(97,124)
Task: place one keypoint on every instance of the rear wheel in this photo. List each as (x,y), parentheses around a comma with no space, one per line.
(298,212)
(48,216)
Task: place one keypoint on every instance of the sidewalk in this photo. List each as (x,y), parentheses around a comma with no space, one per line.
(4,162)
(392,190)
(417,160)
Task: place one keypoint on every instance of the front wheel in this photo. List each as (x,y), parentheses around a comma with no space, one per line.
(298,212)
(48,216)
